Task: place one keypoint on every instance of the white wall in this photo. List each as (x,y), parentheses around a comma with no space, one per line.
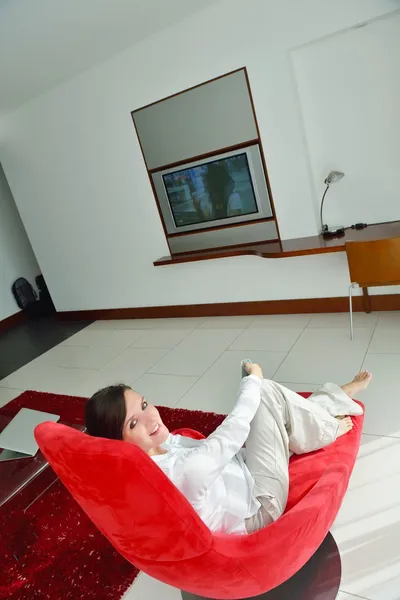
(16,255)
(77,174)
(349,89)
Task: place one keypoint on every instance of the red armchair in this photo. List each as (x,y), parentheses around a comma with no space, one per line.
(151,524)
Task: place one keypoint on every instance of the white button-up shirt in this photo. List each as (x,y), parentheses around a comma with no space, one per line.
(212,473)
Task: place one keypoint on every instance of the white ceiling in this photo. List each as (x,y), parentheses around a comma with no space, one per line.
(44,42)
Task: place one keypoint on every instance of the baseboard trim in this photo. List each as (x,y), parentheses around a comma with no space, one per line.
(263,307)
(12,320)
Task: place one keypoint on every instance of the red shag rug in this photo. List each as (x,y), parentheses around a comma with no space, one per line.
(60,552)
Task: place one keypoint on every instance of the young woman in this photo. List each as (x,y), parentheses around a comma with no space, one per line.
(234,490)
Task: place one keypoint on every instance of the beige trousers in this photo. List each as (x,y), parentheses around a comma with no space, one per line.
(286,424)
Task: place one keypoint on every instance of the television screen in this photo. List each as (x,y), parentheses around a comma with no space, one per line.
(212,191)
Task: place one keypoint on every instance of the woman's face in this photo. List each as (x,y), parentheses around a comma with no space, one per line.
(143,425)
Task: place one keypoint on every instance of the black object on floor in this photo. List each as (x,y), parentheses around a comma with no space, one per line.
(319,579)
(34,306)
(25,297)
(25,342)
(46,302)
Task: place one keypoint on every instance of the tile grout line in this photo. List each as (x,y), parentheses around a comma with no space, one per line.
(227,350)
(119,353)
(166,354)
(96,370)
(248,325)
(288,351)
(86,379)
(353,595)
(62,344)
(201,376)
(169,350)
(381,435)
(124,350)
(4,387)
(294,344)
(384,353)
(311,328)
(369,344)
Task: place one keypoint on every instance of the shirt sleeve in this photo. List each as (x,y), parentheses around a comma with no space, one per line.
(204,464)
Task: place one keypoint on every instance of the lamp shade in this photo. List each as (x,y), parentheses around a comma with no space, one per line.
(333,177)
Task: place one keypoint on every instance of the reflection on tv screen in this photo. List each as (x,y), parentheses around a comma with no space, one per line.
(215,190)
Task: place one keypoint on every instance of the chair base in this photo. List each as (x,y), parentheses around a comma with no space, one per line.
(319,578)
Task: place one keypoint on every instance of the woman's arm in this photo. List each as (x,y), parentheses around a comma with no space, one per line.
(204,464)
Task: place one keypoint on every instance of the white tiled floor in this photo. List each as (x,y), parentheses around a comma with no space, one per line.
(195,363)
(8,394)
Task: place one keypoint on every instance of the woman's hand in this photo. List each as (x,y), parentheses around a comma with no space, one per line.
(253,369)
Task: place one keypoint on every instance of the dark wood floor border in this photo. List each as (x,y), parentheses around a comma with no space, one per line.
(267,307)
(12,320)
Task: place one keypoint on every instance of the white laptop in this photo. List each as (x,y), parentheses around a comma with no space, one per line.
(17,438)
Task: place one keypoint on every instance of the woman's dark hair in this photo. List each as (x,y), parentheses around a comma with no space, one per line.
(105,412)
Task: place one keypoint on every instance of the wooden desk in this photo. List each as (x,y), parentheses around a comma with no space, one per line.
(294,247)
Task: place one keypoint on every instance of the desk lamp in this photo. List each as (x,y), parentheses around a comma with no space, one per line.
(326,231)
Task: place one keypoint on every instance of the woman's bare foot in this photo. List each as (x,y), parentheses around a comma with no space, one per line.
(360,382)
(345,425)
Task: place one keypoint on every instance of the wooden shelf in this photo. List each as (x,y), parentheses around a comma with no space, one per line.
(295,247)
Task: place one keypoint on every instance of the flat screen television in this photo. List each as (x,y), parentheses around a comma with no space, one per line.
(224,189)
